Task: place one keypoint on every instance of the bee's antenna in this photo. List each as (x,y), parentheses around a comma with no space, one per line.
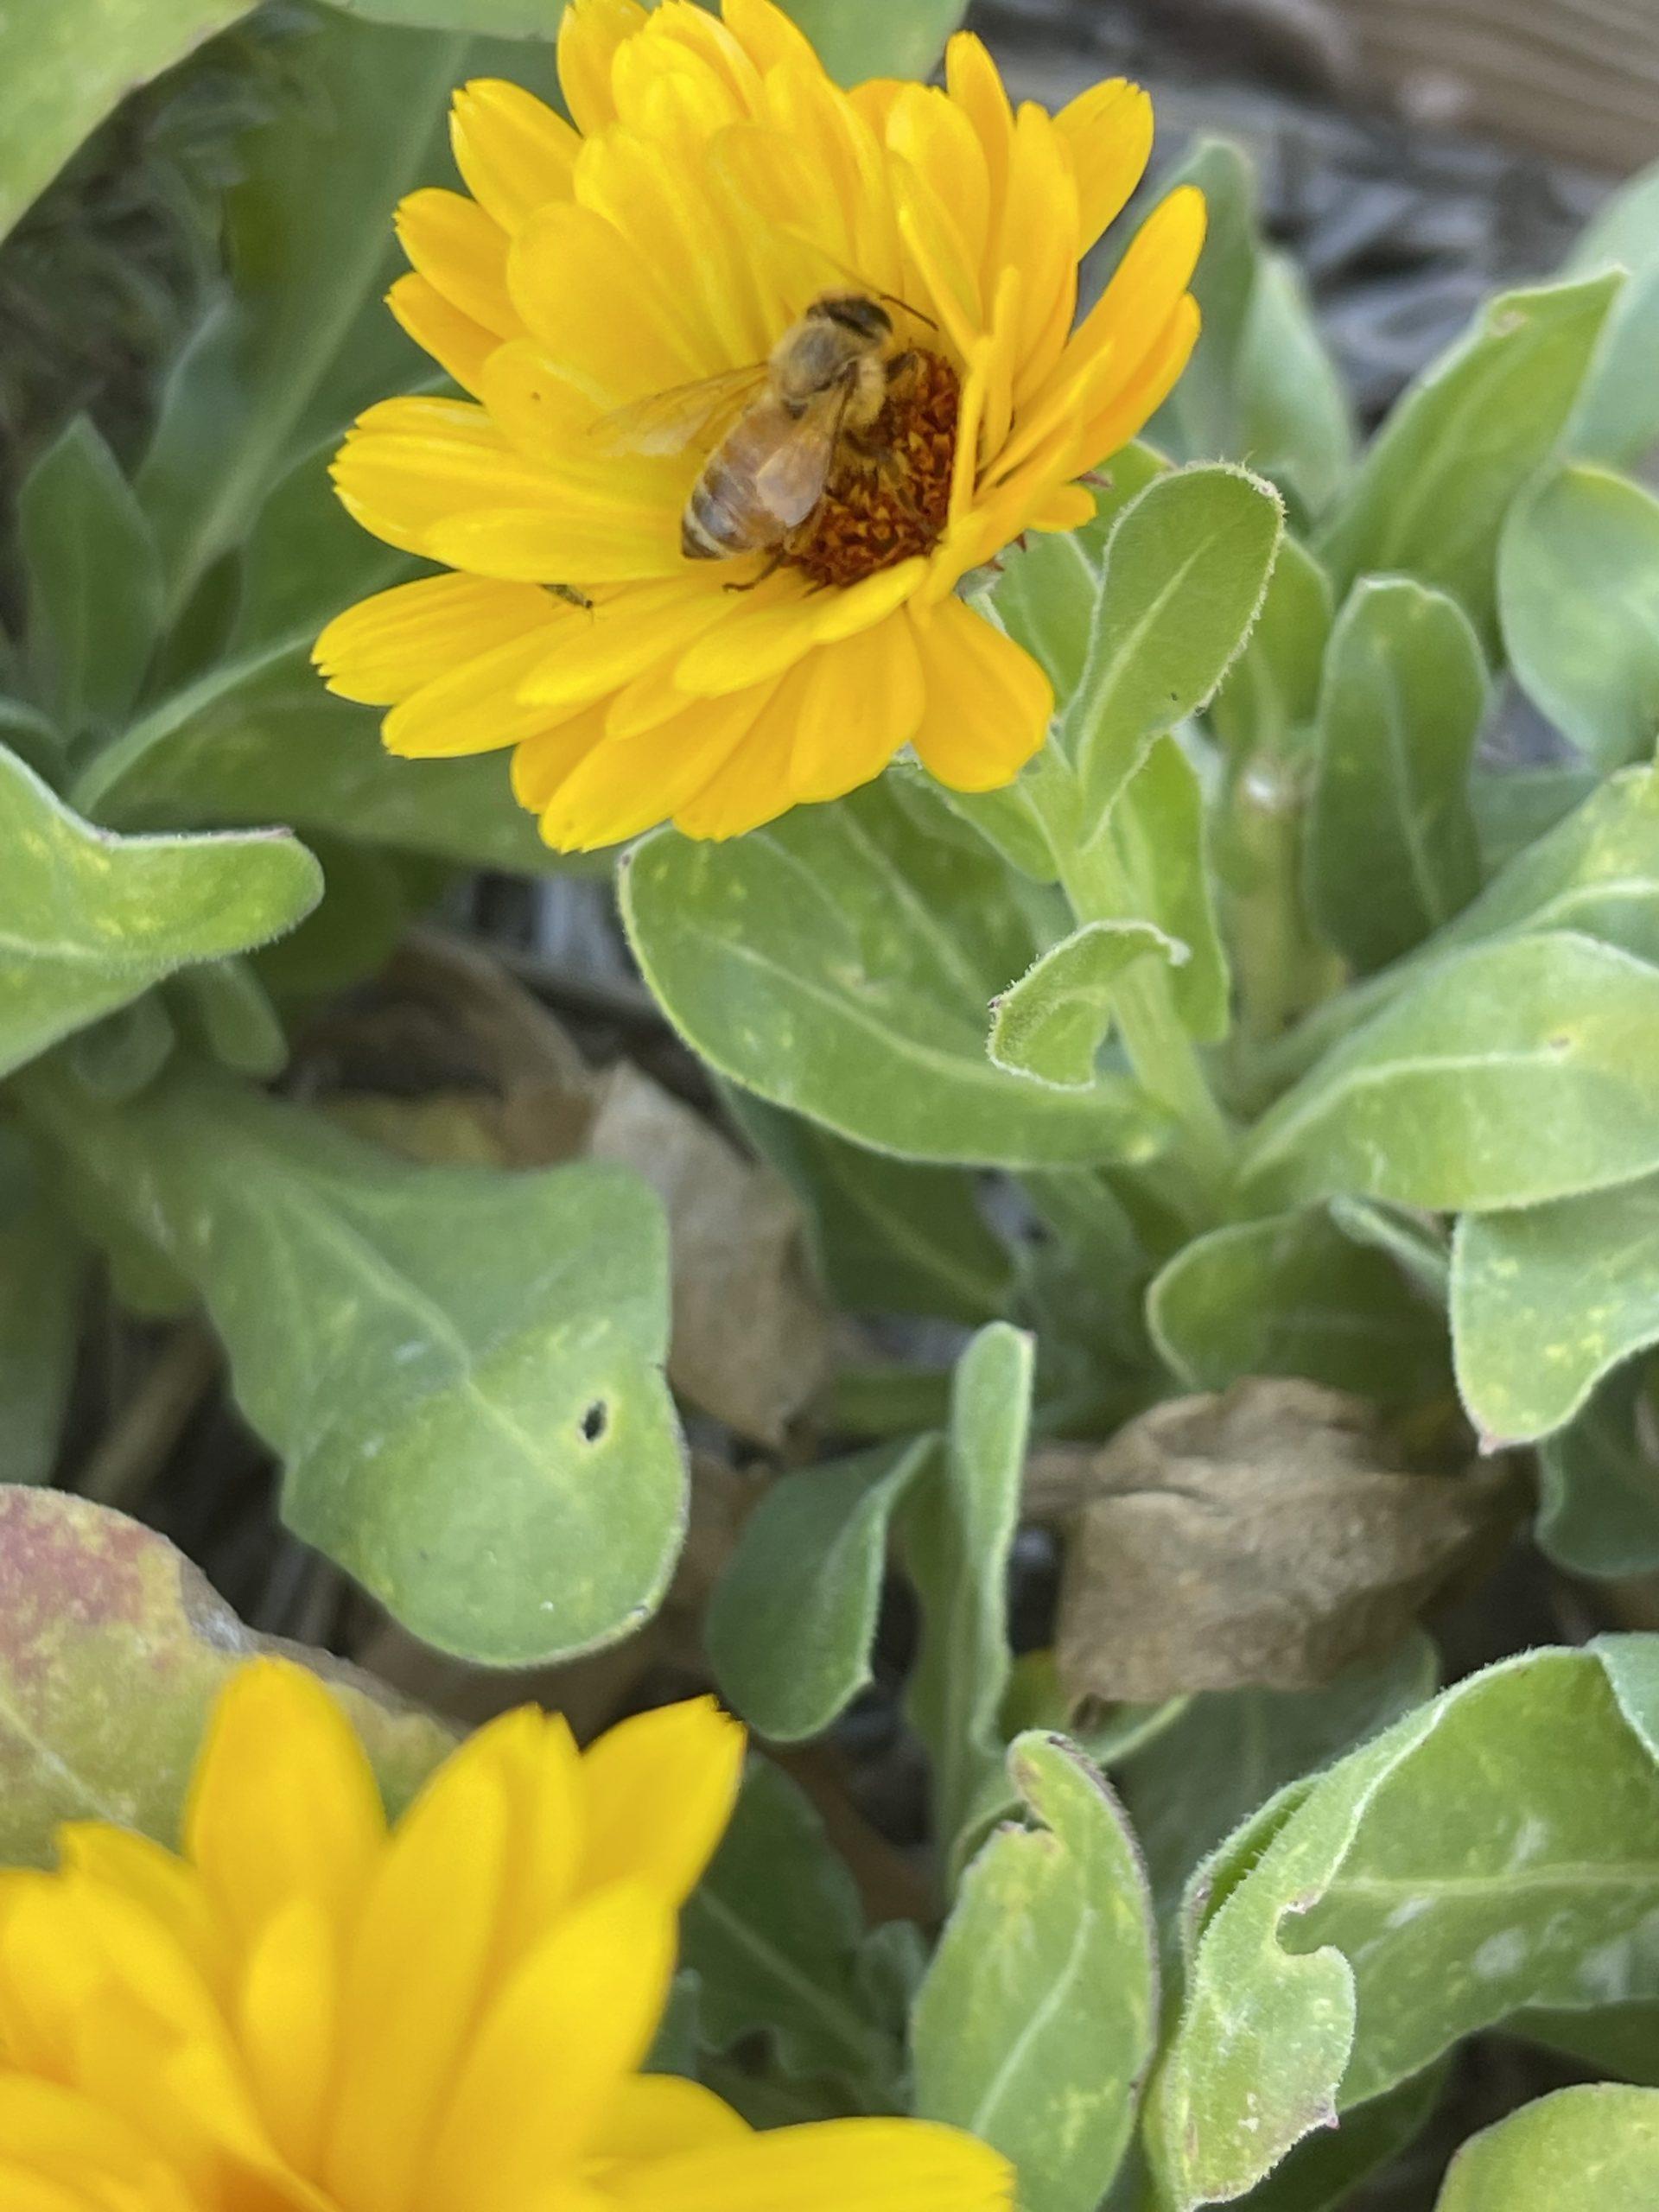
(899,301)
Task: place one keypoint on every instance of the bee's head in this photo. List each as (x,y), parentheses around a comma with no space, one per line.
(855,311)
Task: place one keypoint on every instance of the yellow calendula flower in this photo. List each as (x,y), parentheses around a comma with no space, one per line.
(306,2013)
(761,370)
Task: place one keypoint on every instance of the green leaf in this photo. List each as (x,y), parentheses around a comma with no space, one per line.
(840,963)
(227,1012)
(1547,1299)
(1158,830)
(1598,1483)
(1579,595)
(1039,2015)
(537,19)
(1291,1294)
(857,38)
(1452,1872)
(1186,570)
(1323,2172)
(1273,689)
(258,740)
(1617,419)
(1514,806)
(1228,1752)
(1391,848)
(307,339)
(1519,1071)
(1431,498)
(93,591)
(773,1933)
(89,921)
(1051,1023)
(1261,386)
(43,1265)
(793,1620)
(1046,595)
(1594,2148)
(956,1534)
(124,1054)
(461,1367)
(888,1236)
(112,1650)
(64,67)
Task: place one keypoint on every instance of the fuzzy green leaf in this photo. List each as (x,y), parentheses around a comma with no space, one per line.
(461,1367)
(1547,1299)
(1039,2015)
(1520,1070)
(94,596)
(1158,830)
(956,1534)
(1598,1483)
(888,1236)
(1292,1294)
(89,921)
(1431,496)
(1391,848)
(1617,419)
(1273,689)
(793,1620)
(1051,1023)
(840,963)
(1187,570)
(1590,2149)
(1579,595)
(773,1932)
(1448,1875)
(64,67)
(113,1650)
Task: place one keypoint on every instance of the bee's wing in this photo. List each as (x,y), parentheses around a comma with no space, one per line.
(667,422)
(790,482)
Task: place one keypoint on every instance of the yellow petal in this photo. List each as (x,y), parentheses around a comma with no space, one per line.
(590,31)
(769,38)
(56,2132)
(1108,133)
(626,785)
(387,647)
(1067,507)
(656,2115)
(462,252)
(473,707)
(598,305)
(937,141)
(170,1892)
(660,1788)
(551,2052)
(852,706)
(1155,272)
(415,1978)
(513,151)
(1133,407)
(755,641)
(880,2165)
(989,703)
(408,465)
(284,1803)
(536,544)
(287,2016)
(540,764)
(627,633)
(1038,236)
(973,83)
(750,789)
(460,347)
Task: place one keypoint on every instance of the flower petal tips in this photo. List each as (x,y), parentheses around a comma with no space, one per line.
(758,370)
(308,2010)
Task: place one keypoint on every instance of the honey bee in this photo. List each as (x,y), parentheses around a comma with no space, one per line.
(790,416)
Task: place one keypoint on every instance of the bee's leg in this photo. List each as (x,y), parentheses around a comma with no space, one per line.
(771,570)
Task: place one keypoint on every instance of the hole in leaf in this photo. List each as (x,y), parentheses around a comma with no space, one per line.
(594,1421)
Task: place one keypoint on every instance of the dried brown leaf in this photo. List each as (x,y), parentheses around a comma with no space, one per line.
(1267,1536)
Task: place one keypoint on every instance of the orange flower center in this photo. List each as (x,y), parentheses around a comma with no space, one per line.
(890,495)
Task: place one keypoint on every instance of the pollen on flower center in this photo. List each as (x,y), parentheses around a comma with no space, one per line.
(890,495)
